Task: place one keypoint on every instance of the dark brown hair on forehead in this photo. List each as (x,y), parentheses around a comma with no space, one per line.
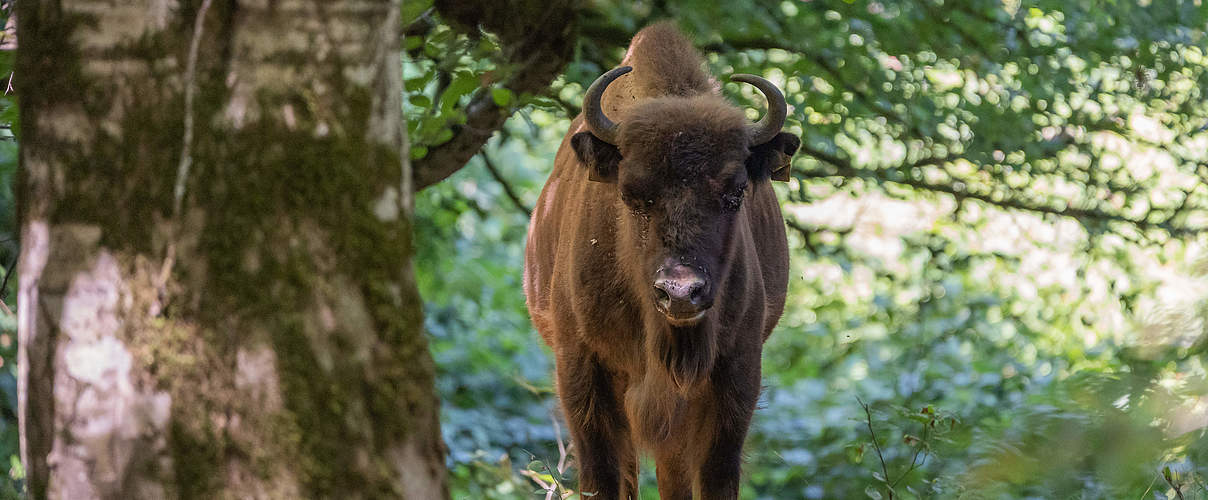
(685,135)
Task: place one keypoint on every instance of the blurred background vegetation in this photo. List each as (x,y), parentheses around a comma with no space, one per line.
(11,473)
(1000,278)
(995,223)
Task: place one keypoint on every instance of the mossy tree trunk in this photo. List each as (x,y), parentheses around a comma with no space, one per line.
(216,298)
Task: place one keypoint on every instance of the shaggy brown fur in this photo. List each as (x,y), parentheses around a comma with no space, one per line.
(672,193)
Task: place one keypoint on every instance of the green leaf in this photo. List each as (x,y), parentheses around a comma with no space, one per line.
(501,96)
(412,9)
(463,83)
(443,136)
(418,151)
(417,84)
(855,453)
(420,100)
(412,42)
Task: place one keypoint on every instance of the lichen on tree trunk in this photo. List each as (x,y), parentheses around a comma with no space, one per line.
(258,336)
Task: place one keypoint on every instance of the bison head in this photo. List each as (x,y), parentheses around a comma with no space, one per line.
(682,167)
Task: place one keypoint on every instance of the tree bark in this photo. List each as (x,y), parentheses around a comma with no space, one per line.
(216,297)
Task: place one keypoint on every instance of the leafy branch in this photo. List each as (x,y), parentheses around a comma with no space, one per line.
(536,46)
(877,445)
(962,190)
(932,421)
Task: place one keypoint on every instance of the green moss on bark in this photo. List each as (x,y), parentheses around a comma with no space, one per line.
(273,191)
(196,454)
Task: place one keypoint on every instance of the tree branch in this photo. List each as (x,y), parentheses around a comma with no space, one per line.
(483,118)
(421,25)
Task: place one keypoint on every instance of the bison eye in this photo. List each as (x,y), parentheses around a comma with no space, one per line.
(733,198)
(642,206)
(638,202)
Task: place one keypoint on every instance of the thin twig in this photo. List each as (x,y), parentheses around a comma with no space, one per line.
(562,455)
(877,446)
(1169,480)
(1147,488)
(914,460)
(548,488)
(507,188)
(186,154)
(186,159)
(8,271)
(555,485)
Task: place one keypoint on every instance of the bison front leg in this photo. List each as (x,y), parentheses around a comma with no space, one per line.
(735,384)
(674,475)
(603,449)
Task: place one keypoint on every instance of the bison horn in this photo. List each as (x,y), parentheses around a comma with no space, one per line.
(767,128)
(599,125)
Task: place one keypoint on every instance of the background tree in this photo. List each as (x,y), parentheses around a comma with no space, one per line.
(216,296)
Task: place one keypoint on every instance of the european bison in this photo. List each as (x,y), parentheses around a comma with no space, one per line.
(656,266)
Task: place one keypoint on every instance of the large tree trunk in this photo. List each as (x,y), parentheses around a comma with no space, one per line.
(216,298)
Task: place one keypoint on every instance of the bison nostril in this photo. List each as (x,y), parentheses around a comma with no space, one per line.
(682,291)
(661,297)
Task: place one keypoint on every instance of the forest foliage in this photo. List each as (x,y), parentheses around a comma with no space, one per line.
(1000,279)
(11,472)
(997,230)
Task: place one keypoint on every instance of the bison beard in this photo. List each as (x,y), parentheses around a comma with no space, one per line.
(656,267)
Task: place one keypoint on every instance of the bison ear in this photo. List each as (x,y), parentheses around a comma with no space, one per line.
(601,158)
(771,159)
